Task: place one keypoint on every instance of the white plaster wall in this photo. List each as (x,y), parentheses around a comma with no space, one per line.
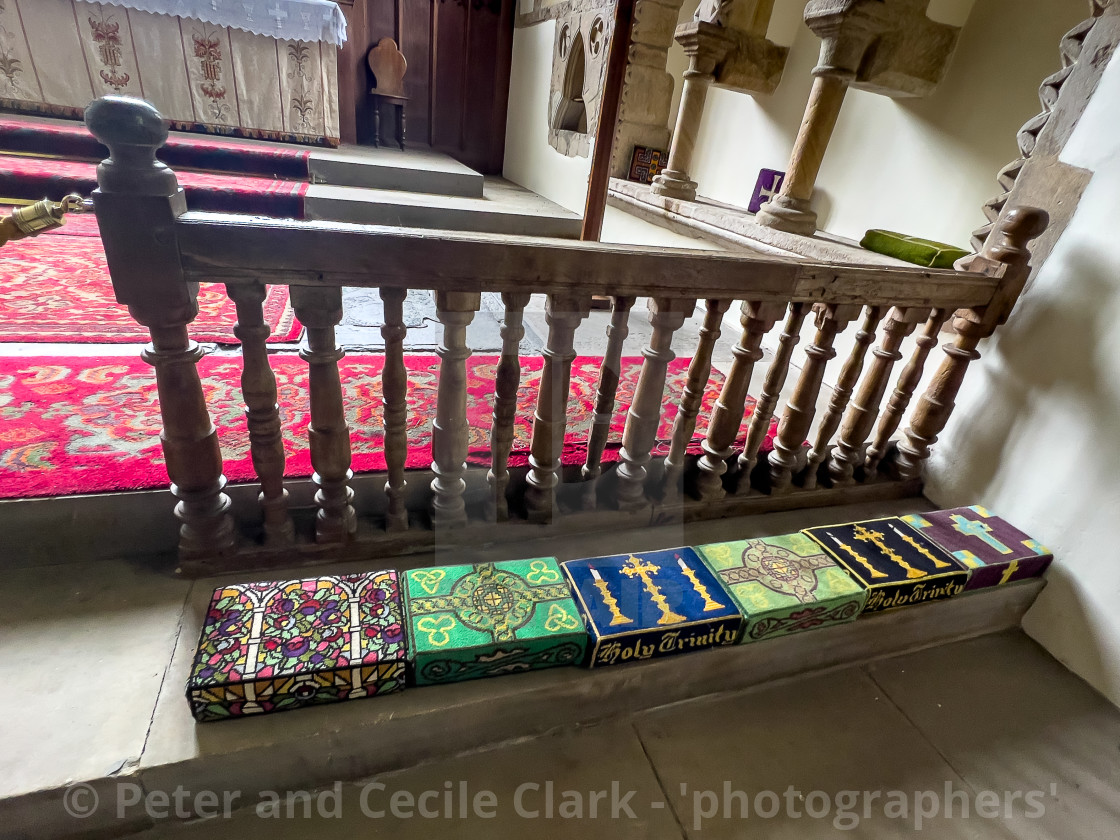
(530,161)
(1036,432)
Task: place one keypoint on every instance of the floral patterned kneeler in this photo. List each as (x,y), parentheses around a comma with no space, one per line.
(282,645)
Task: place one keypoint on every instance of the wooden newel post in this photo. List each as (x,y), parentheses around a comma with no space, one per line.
(1005,250)
(137,202)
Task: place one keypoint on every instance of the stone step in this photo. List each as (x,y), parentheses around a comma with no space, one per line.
(112,711)
(503,208)
(418,170)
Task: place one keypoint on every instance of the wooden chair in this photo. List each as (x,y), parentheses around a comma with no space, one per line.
(388,65)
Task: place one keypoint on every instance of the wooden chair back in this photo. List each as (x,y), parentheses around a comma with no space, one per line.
(388,65)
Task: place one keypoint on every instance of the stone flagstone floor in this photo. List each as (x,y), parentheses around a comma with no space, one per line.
(989,738)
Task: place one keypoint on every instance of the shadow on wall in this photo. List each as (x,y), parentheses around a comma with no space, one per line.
(993,41)
(1043,357)
(1040,413)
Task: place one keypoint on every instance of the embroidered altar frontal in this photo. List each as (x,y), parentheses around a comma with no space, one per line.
(784,584)
(996,551)
(281,645)
(898,566)
(490,619)
(642,606)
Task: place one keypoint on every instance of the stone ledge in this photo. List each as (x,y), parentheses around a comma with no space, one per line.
(735,228)
(353,740)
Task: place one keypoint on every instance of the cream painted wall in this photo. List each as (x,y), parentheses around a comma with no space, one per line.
(1036,432)
(922,166)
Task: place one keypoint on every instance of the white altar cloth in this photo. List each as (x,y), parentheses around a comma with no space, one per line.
(58,55)
(286,20)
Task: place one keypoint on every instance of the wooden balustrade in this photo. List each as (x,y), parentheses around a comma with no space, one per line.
(394,393)
(667,315)
(841,393)
(262,414)
(320,310)
(699,372)
(771,389)
(861,416)
(563,314)
(158,254)
(506,382)
(727,416)
(609,373)
(788,453)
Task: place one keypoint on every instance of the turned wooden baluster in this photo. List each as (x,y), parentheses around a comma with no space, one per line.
(802,405)
(699,372)
(845,384)
(771,389)
(904,389)
(137,202)
(858,422)
(727,414)
(1006,248)
(262,414)
(450,441)
(609,373)
(394,399)
(564,315)
(507,381)
(319,309)
(666,315)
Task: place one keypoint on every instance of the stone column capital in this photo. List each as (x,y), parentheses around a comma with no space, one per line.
(705,44)
(846,29)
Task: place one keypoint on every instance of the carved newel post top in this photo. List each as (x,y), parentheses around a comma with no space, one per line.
(846,29)
(1008,242)
(705,44)
(133,130)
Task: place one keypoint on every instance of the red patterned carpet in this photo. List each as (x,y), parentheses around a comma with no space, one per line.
(33,178)
(85,425)
(56,288)
(73,140)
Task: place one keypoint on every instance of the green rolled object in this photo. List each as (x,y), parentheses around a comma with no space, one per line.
(911,249)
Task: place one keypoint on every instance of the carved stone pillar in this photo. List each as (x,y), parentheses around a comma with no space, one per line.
(706,45)
(846,29)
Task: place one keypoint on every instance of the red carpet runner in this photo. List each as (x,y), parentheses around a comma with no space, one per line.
(86,425)
(56,288)
(34,178)
(73,140)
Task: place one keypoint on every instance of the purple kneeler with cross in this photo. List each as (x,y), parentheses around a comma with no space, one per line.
(768,183)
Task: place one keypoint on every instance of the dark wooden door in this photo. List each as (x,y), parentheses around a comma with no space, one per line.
(458,53)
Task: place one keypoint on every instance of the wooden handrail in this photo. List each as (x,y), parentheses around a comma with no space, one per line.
(231,249)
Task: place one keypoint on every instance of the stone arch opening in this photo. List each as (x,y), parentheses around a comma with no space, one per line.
(571,110)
